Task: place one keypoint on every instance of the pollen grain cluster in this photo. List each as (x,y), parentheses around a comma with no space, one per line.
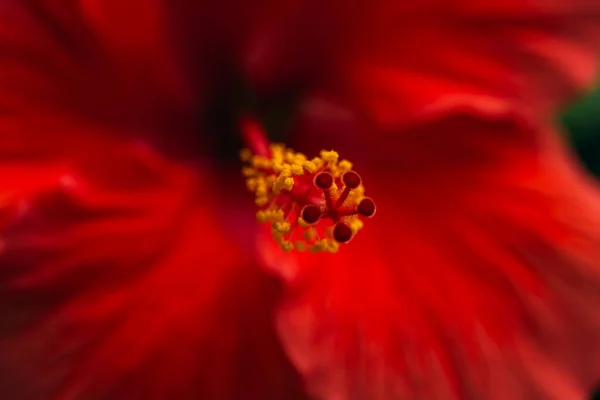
(312,205)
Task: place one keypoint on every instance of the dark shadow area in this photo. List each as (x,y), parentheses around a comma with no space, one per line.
(582,122)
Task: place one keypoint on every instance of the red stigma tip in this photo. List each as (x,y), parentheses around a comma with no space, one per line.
(351,179)
(311,213)
(323,180)
(342,233)
(366,207)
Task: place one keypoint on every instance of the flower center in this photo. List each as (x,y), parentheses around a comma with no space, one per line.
(312,205)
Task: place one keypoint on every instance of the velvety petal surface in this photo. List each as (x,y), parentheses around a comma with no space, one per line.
(122,275)
(85,60)
(403,62)
(119,280)
(478,278)
(394,61)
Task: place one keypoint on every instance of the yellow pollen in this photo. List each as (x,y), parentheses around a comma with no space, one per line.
(310,166)
(289,156)
(345,165)
(319,246)
(259,162)
(284,183)
(329,156)
(251,184)
(332,246)
(283,227)
(261,189)
(303,223)
(297,169)
(356,225)
(310,235)
(261,216)
(318,162)
(261,201)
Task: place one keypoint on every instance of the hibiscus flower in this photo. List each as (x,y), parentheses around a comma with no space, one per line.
(479,276)
(123,274)
(129,269)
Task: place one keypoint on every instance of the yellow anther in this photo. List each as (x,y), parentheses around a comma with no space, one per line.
(269,180)
(246,155)
(318,162)
(345,165)
(330,156)
(251,184)
(261,201)
(303,223)
(261,216)
(286,246)
(320,245)
(286,170)
(283,182)
(356,195)
(297,169)
(356,225)
(310,166)
(333,189)
(332,246)
(283,227)
(299,159)
(273,215)
(261,189)
(289,157)
(259,162)
(277,215)
(310,234)
(276,149)
(288,183)
(278,236)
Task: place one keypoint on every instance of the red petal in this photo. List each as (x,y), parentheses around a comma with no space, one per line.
(120,274)
(401,60)
(88,60)
(479,277)
(119,279)
(395,60)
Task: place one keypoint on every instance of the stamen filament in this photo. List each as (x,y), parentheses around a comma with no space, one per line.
(342,197)
(346,213)
(328,199)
